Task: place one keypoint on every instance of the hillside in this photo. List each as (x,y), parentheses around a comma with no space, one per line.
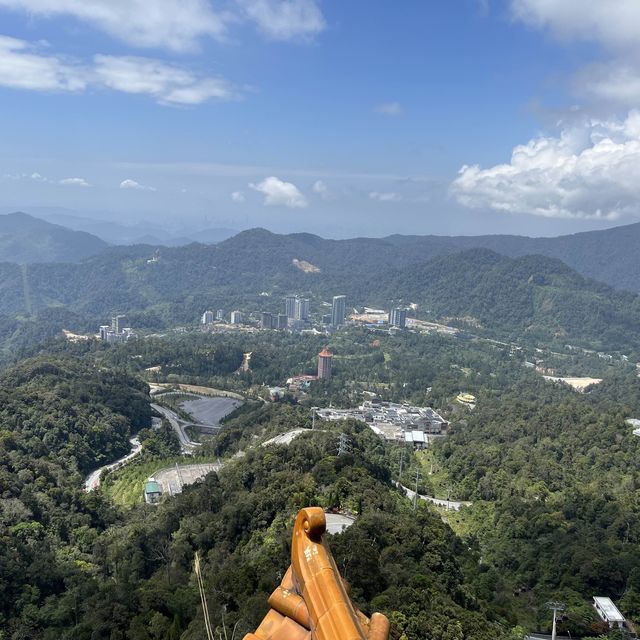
(609,255)
(533,296)
(25,239)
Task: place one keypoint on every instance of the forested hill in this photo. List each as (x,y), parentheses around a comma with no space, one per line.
(529,296)
(74,567)
(502,297)
(609,255)
(25,239)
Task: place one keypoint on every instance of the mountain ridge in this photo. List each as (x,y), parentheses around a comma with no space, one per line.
(26,239)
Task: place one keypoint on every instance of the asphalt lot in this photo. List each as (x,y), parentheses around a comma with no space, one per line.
(210,411)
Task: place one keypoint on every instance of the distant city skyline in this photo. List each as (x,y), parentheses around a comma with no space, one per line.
(338,118)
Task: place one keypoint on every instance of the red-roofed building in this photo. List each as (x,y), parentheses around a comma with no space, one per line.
(324,364)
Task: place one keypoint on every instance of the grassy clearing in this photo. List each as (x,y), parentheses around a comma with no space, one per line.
(126,485)
(432,469)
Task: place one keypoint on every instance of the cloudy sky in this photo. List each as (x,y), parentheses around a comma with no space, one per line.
(337,117)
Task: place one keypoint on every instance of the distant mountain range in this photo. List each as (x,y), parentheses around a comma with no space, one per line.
(140,232)
(610,255)
(513,295)
(25,239)
(534,298)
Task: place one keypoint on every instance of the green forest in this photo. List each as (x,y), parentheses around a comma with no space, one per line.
(551,474)
(533,299)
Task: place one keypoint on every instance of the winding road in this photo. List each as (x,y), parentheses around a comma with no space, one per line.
(92,481)
(449,505)
(186,444)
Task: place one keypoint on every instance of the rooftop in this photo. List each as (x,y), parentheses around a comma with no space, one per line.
(607,610)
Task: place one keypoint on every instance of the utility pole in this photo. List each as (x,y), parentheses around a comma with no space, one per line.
(313,417)
(415,497)
(556,607)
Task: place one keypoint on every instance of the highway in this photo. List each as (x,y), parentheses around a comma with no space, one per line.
(186,444)
(92,481)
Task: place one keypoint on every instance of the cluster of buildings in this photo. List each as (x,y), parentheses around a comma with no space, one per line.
(297,312)
(274,320)
(209,317)
(296,316)
(116,331)
(398,317)
(393,421)
(393,318)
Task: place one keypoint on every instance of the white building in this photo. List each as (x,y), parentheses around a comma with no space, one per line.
(608,612)
(236,317)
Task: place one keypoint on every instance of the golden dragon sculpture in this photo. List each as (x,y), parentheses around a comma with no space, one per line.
(312,602)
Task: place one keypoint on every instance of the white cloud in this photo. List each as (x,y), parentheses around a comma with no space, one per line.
(169,84)
(174,24)
(389,196)
(132,184)
(320,188)
(280,193)
(180,25)
(23,66)
(285,19)
(389,109)
(615,24)
(237,196)
(587,171)
(75,182)
(27,66)
(35,177)
(616,83)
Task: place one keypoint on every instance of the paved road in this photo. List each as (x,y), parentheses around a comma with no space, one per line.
(92,481)
(186,444)
(450,505)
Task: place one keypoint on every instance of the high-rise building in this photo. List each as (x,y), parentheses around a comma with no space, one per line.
(236,317)
(219,314)
(324,364)
(282,321)
(290,306)
(104,329)
(207,317)
(117,323)
(266,321)
(302,309)
(338,310)
(398,317)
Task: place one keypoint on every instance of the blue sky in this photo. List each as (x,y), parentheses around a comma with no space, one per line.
(343,118)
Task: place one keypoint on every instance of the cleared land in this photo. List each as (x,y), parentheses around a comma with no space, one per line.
(579,384)
(172,479)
